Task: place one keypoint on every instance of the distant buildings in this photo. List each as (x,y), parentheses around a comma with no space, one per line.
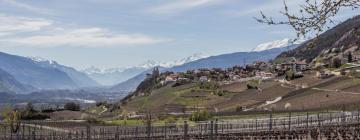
(203,79)
(295,65)
(264,75)
(324,74)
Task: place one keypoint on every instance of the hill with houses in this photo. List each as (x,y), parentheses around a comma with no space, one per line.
(326,78)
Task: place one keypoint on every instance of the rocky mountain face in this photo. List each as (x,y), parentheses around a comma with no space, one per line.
(336,42)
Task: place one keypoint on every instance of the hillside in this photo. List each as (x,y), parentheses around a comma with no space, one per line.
(28,72)
(81,79)
(43,74)
(318,93)
(340,37)
(10,85)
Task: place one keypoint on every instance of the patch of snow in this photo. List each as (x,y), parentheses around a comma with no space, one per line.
(42,60)
(277,44)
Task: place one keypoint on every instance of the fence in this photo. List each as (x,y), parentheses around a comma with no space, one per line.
(267,127)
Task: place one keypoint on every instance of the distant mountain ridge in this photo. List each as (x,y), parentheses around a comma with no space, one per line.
(9,84)
(42,74)
(112,76)
(81,79)
(229,60)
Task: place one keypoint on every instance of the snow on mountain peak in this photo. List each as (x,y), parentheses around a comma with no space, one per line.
(276,44)
(92,69)
(146,65)
(42,60)
(150,64)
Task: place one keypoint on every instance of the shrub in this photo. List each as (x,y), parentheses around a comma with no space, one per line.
(290,75)
(336,63)
(253,84)
(208,85)
(34,116)
(170,120)
(219,93)
(48,110)
(354,74)
(72,106)
(200,116)
(239,109)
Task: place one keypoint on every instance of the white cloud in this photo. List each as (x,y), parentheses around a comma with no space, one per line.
(25,6)
(46,33)
(16,24)
(85,37)
(177,6)
(267,7)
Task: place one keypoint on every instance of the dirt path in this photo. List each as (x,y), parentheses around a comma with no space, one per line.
(105,109)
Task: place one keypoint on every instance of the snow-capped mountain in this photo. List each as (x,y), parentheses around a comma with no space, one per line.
(96,70)
(42,60)
(81,79)
(34,73)
(219,61)
(152,63)
(277,44)
(114,76)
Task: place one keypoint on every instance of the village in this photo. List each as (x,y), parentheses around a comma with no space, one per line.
(289,69)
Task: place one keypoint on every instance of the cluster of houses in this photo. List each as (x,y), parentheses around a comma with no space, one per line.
(259,70)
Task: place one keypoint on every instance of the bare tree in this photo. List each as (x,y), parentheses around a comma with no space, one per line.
(312,17)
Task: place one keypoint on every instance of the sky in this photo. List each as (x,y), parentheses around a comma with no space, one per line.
(123,33)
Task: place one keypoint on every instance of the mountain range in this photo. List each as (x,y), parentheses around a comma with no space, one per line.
(220,61)
(80,78)
(112,76)
(9,84)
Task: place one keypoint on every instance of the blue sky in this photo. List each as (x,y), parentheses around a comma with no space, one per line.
(120,33)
